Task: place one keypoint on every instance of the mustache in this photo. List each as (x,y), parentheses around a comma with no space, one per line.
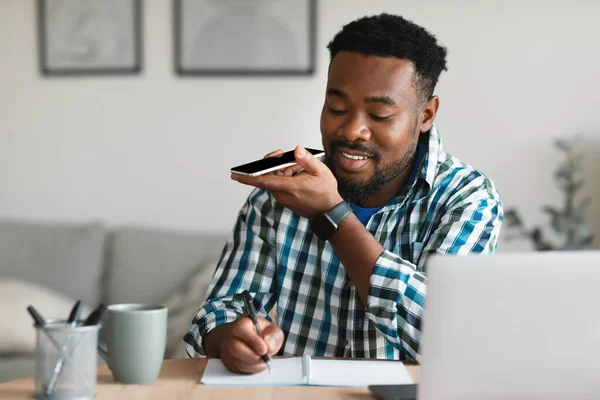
(358,146)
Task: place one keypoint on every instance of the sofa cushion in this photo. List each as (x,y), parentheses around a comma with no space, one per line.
(66,257)
(146,265)
(183,304)
(15,367)
(17,334)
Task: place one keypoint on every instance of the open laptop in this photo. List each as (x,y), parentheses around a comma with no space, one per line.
(512,326)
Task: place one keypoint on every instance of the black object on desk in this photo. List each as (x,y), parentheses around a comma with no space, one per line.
(95,316)
(74,314)
(251,312)
(394,392)
(37,318)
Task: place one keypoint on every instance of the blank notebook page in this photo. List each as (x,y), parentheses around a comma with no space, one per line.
(286,372)
(357,373)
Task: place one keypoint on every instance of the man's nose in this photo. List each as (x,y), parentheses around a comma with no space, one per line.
(355,128)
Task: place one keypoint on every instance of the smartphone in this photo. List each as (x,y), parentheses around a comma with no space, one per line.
(270,164)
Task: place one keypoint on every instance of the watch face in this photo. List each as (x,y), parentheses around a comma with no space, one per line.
(323,227)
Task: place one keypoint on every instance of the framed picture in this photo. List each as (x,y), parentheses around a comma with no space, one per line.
(86,37)
(245,37)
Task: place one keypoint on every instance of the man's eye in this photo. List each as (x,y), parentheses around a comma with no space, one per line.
(379,118)
(336,112)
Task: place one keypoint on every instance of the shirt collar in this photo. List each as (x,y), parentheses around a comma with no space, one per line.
(432,157)
(423,176)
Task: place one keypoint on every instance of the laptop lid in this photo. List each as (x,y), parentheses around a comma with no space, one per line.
(512,325)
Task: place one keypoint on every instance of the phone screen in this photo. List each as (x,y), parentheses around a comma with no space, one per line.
(270,164)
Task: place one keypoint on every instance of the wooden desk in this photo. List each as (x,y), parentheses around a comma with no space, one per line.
(179,379)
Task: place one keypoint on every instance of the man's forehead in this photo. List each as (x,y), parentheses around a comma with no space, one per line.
(378,75)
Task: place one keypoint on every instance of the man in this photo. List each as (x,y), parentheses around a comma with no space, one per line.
(340,247)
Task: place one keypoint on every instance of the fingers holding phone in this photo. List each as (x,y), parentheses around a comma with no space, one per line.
(289,171)
(276,153)
(273,162)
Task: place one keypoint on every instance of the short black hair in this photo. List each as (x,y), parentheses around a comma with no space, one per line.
(387,35)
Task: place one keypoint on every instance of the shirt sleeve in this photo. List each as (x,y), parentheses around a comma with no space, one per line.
(248,262)
(398,289)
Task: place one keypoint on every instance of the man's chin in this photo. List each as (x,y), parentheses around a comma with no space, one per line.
(358,190)
(349,189)
(362,177)
(354,183)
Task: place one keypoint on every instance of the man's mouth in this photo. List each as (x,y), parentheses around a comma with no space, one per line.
(353,157)
(351,161)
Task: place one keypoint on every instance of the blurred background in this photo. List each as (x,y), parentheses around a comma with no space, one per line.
(155,147)
(114,163)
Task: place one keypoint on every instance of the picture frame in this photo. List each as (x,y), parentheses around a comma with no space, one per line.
(245,37)
(89,37)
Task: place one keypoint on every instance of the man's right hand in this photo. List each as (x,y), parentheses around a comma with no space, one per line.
(239,346)
(288,171)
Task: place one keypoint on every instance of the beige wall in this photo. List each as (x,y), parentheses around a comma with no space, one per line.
(156,149)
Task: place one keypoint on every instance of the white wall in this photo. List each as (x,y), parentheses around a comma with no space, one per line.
(155,149)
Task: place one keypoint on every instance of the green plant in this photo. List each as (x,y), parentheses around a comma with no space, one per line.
(568,222)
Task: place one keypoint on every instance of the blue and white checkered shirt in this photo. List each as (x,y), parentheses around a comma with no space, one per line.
(272,252)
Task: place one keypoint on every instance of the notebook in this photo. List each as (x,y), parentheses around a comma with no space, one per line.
(297,371)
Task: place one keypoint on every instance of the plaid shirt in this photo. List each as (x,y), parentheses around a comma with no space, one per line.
(448,208)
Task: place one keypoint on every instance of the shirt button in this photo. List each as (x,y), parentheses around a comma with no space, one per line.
(346,343)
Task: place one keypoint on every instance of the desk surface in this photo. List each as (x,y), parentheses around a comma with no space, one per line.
(180,379)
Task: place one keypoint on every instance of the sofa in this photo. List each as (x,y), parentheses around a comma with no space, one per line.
(51,265)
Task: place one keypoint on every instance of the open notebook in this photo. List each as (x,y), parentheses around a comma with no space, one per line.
(306,371)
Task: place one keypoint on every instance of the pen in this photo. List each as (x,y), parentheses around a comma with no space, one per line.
(95,315)
(251,312)
(93,319)
(40,322)
(71,323)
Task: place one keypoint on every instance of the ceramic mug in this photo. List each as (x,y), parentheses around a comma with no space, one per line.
(136,336)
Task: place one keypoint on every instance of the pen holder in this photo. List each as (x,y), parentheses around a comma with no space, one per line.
(66,361)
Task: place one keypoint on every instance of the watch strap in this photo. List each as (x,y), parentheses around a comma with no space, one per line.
(326,224)
(339,212)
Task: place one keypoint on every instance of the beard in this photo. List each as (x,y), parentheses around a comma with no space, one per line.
(359,191)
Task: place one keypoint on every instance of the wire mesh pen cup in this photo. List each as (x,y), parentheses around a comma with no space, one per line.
(66,361)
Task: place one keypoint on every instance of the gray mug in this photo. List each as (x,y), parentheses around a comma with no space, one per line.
(136,336)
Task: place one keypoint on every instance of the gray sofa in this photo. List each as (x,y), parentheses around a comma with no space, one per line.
(90,262)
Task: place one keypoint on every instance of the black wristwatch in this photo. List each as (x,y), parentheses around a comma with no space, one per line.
(326,224)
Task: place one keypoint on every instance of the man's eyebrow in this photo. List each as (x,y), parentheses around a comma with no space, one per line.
(373,99)
(336,92)
(381,99)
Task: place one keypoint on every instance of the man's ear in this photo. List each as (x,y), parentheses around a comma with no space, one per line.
(428,113)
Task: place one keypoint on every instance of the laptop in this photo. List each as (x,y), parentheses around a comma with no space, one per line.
(512,326)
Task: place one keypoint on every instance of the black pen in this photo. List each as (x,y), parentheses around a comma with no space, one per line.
(72,321)
(95,316)
(251,312)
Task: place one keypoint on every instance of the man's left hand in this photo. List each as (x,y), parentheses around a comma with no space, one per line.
(310,192)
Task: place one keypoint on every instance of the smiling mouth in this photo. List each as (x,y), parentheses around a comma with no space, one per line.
(353,157)
(351,162)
